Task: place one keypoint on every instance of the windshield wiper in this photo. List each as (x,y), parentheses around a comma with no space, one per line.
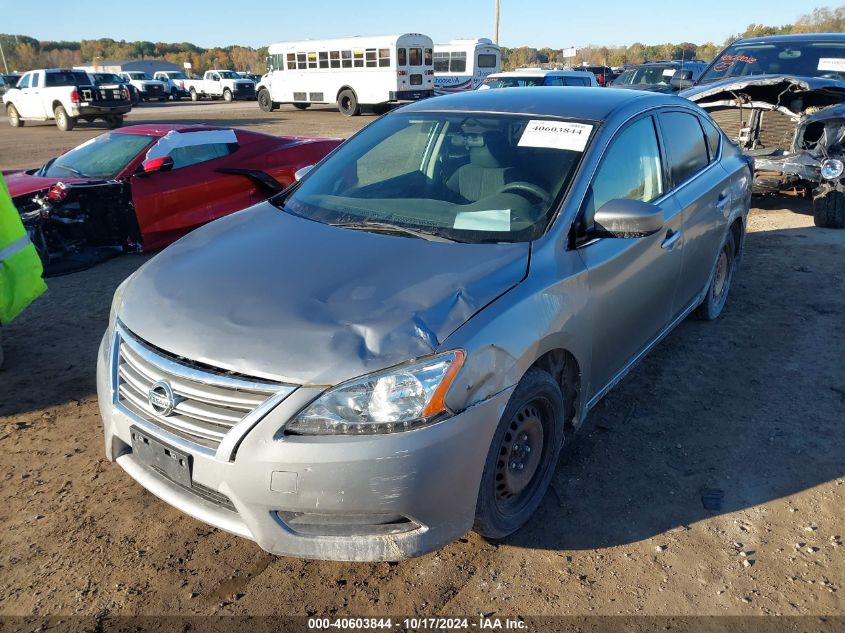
(75,172)
(384,227)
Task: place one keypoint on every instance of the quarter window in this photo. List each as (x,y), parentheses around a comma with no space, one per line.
(195,154)
(714,137)
(687,152)
(630,169)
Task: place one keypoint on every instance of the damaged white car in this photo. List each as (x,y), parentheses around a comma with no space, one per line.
(782,100)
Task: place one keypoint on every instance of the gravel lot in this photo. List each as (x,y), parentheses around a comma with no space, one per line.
(752,406)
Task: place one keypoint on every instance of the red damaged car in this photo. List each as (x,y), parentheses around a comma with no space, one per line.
(142,187)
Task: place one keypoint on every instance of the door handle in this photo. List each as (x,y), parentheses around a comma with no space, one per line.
(671,239)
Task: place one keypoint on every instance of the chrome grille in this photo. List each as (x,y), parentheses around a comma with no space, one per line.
(208,404)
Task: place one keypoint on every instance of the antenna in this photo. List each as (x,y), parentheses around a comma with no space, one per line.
(496,23)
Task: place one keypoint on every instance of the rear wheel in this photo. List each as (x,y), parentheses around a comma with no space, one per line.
(301,106)
(14,118)
(227,95)
(829,210)
(64,122)
(522,456)
(720,283)
(347,103)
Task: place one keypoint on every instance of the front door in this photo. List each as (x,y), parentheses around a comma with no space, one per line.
(632,281)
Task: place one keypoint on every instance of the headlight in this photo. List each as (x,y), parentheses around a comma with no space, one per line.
(397,399)
(832,169)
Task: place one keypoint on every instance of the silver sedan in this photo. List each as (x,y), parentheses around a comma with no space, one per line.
(392,351)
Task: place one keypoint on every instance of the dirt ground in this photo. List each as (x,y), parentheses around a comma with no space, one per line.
(746,412)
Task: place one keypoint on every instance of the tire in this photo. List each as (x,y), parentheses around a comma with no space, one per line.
(64,122)
(265,101)
(380,108)
(829,210)
(227,96)
(174,94)
(114,121)
(720,281)
(161,99)
(14,117)
(347,103)
(301,106)
(515,480)
(194,95)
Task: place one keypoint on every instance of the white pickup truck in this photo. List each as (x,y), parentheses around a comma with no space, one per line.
(65,96)
(216,84)
(148,87)
(174,83)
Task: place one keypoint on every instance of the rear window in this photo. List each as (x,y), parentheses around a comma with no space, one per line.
(486,61)
(415,56)
(67,78)
(685,143)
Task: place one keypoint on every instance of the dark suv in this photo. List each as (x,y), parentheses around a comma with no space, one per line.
(656,76)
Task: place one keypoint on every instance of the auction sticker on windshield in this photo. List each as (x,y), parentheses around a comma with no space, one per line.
(836,64)
(556,135)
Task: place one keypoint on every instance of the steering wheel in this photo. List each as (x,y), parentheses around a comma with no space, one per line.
(521,187)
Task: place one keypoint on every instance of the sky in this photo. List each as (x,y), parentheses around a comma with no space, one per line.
(552,23)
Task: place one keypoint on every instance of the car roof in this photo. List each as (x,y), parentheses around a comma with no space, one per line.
(794,37)
(541,72)
(161,129)
(588,103)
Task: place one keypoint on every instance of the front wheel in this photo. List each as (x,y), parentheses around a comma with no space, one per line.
(114,121)
(720,282)
(227,95)
(829,210)
(347,103)
(194,95)
(64,122)
(301,106)
(522,456)
(174,95)
(14,118)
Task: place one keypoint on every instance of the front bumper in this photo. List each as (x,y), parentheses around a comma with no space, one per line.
(337,487)
(785,169)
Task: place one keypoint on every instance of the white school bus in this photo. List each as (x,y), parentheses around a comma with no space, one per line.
(464,64)
(353,72)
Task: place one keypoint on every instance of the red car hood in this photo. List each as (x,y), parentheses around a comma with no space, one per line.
(21,183)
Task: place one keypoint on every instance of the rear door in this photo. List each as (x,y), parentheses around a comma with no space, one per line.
(702,188)
(632,280)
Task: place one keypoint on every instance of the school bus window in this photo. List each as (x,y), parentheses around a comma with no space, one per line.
(428,56)
(346,58)
(372,60)
(324,60)
(334,59)
(359,58)
(383,57)
(301,61)
(312,60)
(486,61)
(458,63)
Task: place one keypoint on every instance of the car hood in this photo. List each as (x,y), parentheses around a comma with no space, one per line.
(21,183)
(267,294)
(769,88)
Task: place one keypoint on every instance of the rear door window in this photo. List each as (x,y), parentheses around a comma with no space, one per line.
(685,144)
(415,56)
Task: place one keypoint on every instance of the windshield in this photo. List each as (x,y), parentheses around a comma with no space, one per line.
(101,157)
(652,76)
(178,75)
(104,78)
(810,59)
(139,75)
(514,82)
(228,74)
(464,177)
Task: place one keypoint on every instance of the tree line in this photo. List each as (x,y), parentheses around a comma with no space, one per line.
(821,20)
(25,53)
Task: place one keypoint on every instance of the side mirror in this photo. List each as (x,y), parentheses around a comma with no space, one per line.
(628,218)
(154,165)
(681,79)
(299,174)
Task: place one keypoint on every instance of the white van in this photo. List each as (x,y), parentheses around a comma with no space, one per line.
(527,77)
